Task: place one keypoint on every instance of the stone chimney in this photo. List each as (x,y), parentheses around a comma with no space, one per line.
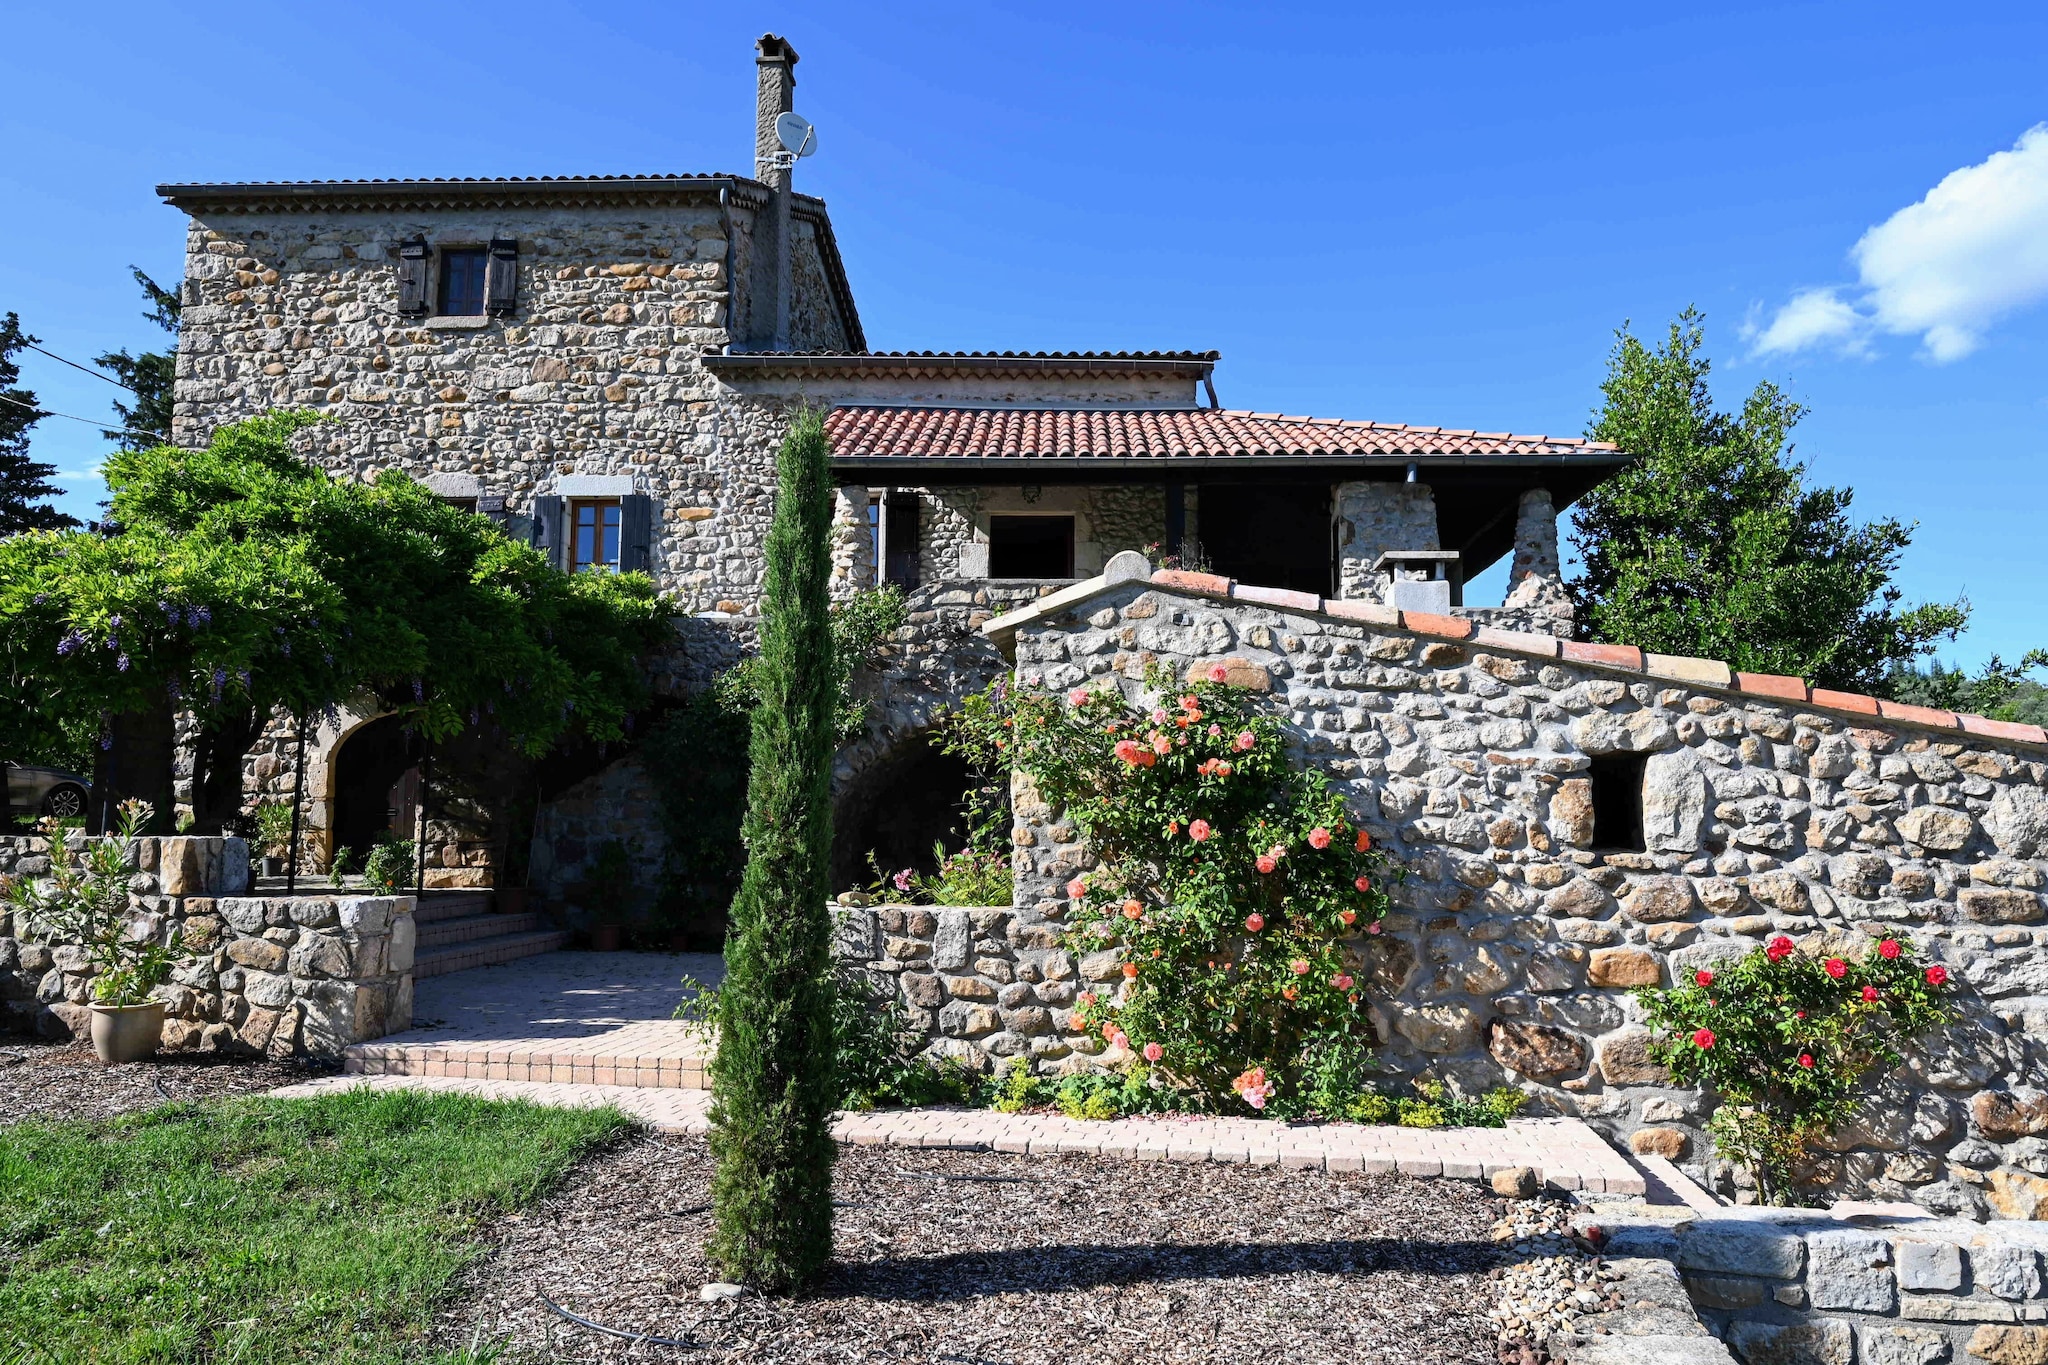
(775,95)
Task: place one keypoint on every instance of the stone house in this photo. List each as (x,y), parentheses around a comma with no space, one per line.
(605,365)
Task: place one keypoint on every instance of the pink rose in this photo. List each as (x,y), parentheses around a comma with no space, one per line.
(1245,740)
(1130,751)
(1299,967)
(1076,889)
(1341,981)
(1218,673)
(1319,837)
(1119,1039)
(1373,928)
(1153,1052)
(1266,863)
(1255,922)
(1199,831)
(1161,744)
(1215,730)
(1077,696)
(1159,715)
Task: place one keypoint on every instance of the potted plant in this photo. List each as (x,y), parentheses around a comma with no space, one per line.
(274,836)
(390,868)
(611,885)
(84,901)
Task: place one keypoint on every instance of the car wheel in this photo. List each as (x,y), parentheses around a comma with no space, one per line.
(66,802)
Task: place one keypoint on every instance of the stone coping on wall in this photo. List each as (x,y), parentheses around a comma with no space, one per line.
(1705,674)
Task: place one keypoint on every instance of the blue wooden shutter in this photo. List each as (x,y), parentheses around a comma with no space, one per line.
(548,533)
(636,533)
(501,277)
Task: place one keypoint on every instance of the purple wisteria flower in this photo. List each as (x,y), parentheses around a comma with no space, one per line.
(419,690)
(199,616)
(71,643)
(122,663)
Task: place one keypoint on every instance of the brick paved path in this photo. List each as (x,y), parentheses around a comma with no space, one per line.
(1565,1152)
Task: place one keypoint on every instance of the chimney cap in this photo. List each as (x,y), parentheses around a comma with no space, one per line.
(772,47)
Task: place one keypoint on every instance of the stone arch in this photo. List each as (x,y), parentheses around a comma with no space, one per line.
(366,758)
(897,806)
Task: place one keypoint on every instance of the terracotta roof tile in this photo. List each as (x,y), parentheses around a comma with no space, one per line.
(1128,434)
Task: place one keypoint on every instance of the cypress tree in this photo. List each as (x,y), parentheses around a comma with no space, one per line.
(772,1080)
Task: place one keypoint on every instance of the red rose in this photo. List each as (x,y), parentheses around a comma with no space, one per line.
(1363,884)
(1806,1060)
(1703,978)
(1888,949)
(1778,949)
(1936,975)
(1870,994)
(1703,1039)
(1255,922)
(1836,968)
(1364,841)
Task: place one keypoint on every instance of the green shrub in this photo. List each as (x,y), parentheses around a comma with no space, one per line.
(1786,1038)
(391,867)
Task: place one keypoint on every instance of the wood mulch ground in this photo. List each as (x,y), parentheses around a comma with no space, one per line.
(979,1258)
(66,1081)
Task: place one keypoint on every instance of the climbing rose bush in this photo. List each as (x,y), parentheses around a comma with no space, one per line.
(1786,1037)
(1231,885)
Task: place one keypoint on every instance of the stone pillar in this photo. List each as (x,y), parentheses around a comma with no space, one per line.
(1373,518)
(1535,580)
(853,542)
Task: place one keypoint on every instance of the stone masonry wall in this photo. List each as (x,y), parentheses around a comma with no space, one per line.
(1514,942)
(282,975)
(953,527)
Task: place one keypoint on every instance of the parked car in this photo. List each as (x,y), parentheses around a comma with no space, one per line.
(46,791)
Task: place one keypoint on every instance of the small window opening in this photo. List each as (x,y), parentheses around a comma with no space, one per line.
(462,281)
(1031,547)
(593,534)
(1618,802)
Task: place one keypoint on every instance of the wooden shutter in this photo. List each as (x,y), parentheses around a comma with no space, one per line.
(548,534)
(412,278)
(501,277)
(636,533)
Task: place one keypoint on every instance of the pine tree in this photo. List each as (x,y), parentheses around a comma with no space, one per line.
(24,484)
(1713,544)
(772,1079)
(151,376)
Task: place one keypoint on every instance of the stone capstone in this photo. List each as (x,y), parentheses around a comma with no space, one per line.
(1822,1341)
(1930,1267)
(1736,1248)
(1850,1270)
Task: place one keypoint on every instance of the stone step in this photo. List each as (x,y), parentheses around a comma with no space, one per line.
(653,1053)
(440,933)
(486,952)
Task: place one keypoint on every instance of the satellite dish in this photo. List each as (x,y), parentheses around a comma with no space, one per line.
(796,134)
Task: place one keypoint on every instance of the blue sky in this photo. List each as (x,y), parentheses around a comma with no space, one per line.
(1424,213)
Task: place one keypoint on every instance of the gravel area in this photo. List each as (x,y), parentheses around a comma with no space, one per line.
(1550,1281)
(66,1081)
(980,1258)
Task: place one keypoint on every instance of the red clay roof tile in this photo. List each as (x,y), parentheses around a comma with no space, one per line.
(1152,433)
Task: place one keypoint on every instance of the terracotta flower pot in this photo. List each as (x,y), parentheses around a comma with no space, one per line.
(605,938)
(127,1033)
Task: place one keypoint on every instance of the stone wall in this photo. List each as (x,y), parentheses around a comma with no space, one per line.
(1514,941)
(953,526)
(299,974)
(1872,1284)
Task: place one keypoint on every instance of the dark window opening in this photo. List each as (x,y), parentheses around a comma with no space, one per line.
(1274,535)
(593,534)
(900,537)
(1030,547)
(462,281)
(1618,802)
(461,504)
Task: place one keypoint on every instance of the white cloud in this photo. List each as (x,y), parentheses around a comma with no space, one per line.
(1945,269)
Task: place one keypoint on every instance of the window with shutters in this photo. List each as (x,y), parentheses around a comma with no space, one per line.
(462,281)
(593,534)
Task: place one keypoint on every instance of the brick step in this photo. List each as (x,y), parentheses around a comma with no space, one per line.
(486,952)
(657,1054)
(435,906)
(440,933)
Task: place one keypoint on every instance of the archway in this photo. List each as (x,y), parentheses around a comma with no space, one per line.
(376,785)
(897,809)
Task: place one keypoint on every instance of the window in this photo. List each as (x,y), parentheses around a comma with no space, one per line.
(1618,802)
(462,281)
(1030,547)
(593,534)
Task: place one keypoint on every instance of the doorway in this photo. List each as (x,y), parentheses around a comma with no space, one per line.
(377,785)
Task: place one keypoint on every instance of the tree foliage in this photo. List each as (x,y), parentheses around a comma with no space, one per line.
(25,486)
(772,1078)
(1999,690)
(239,578)
(151,376)
(1713,544)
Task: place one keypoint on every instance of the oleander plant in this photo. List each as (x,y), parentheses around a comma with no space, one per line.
(1786,1038)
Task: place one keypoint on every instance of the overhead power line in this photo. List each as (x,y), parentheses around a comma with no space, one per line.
(76,366)
(101,423)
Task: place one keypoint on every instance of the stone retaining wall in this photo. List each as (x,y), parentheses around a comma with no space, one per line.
(1515,942)
(299,974)
(1883,1288)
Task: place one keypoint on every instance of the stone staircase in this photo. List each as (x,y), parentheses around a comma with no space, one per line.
(459,930)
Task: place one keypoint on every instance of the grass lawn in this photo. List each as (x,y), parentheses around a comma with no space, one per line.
(262,1230)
